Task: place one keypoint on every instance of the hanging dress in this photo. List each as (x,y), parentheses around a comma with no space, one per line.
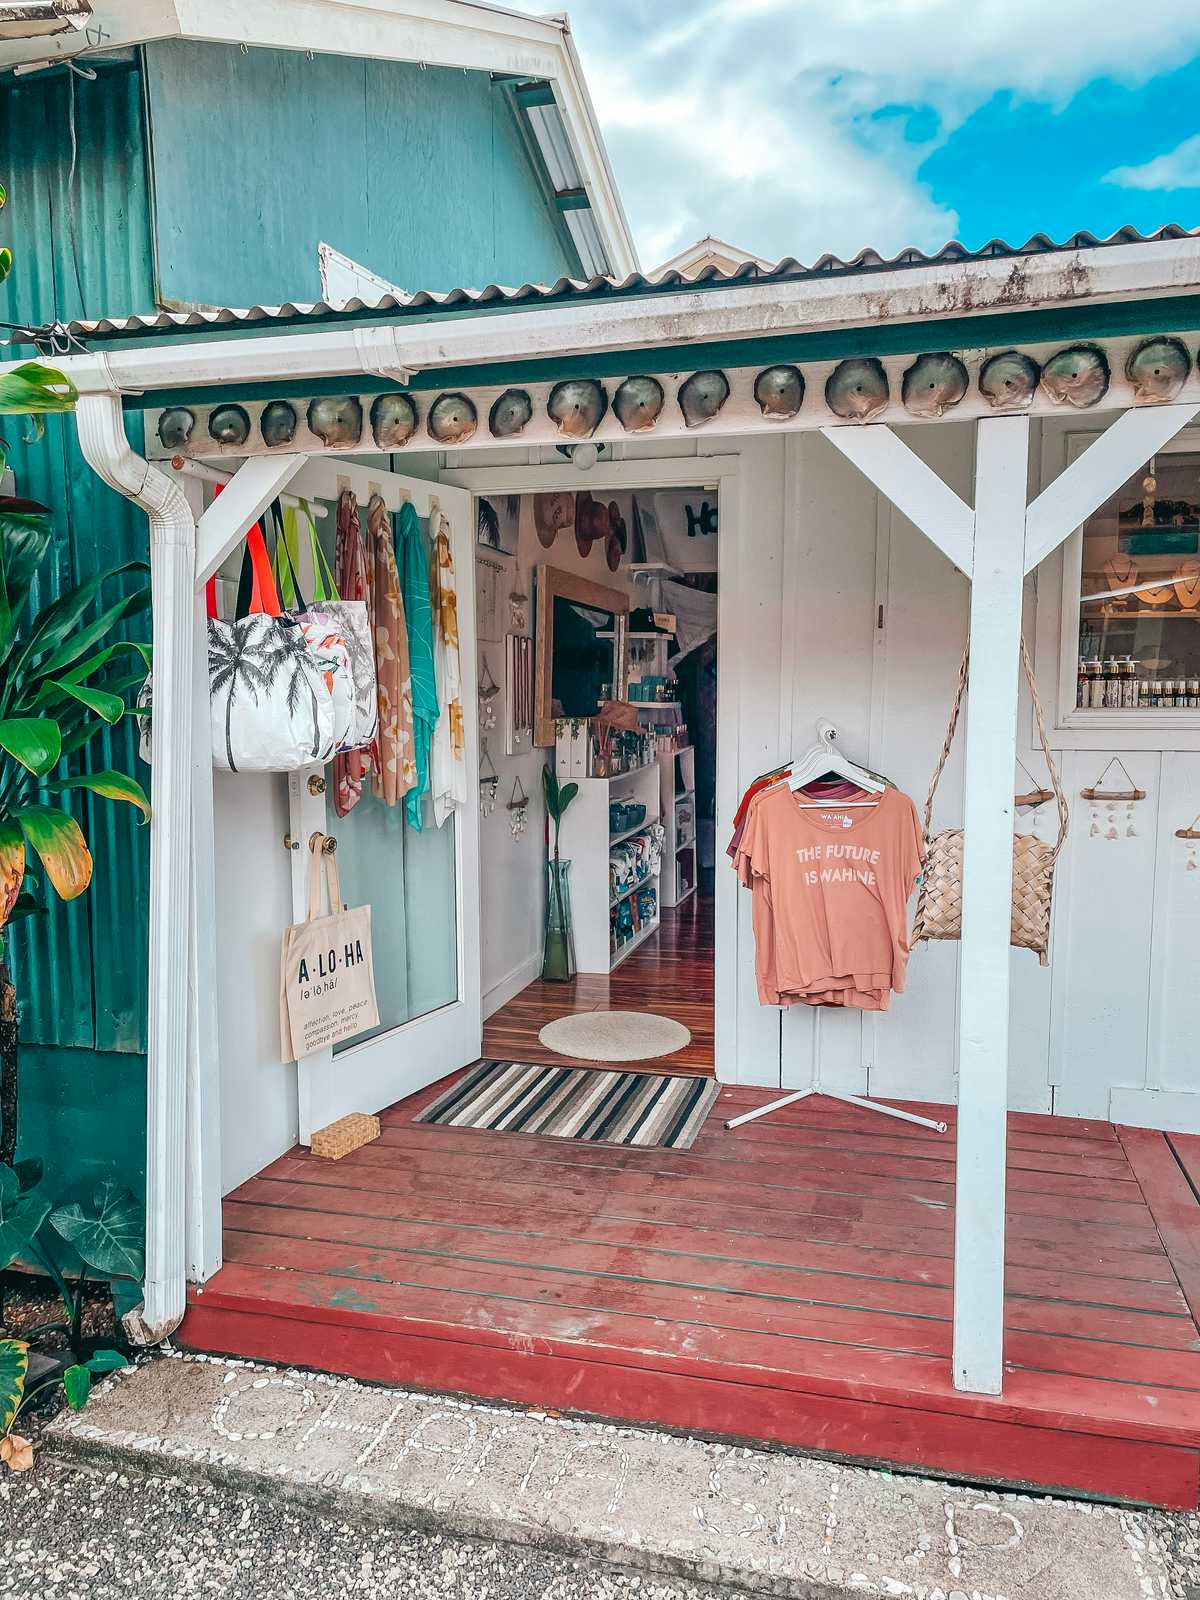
(395,770)
(352,575)
(448,755)
(418,613)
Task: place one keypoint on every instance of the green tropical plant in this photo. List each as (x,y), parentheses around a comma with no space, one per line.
(558,961)
(31,389)
(558,798)
(61,683)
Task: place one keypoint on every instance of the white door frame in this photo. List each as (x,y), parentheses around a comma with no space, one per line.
(673,472)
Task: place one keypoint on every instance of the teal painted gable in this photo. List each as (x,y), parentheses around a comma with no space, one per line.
(422,175)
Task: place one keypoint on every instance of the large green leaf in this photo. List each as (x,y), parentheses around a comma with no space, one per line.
(29,1173)
(6,261)
(84,638)
(12,868)
(61,617)
(32,388)
(105,1361)
(25,535)
(77,1383)
(21,1215)
(110,707)
(112,785)
(110,1235)
(59,842)
(36,742)
(14,1363)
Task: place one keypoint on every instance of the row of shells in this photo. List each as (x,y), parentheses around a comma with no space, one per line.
(856,390)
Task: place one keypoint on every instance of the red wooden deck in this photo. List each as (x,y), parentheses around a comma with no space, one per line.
(787,1282)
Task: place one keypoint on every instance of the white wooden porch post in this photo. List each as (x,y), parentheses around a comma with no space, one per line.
(998,568)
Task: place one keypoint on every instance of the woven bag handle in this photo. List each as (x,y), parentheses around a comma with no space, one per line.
(1060,799)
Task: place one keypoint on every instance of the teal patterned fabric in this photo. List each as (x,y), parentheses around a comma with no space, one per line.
(414,586)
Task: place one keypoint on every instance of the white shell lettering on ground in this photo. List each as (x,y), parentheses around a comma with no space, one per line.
(767,1520)
(614,1035)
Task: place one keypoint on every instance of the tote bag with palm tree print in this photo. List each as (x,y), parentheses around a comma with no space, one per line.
(272,709)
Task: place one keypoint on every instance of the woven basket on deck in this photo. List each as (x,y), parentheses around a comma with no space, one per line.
(939,903)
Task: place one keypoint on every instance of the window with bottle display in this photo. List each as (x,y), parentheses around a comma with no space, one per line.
(1139,606)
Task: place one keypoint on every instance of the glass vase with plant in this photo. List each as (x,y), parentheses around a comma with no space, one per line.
(558,956)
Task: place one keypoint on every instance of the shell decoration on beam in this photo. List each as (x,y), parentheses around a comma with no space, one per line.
(337,423)
(453,419)
(278,423)
(1158,370)
(933,384)
(577,407)
(175,427)
(702,395)
(779,392)
(857,389)
(1008,381)
(510,414)
(638,403)
(229,425)
(1077,376)
(393,420)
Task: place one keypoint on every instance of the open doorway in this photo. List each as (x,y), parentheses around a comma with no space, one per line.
(596,617)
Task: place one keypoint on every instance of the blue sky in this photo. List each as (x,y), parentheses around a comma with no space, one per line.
(794,127)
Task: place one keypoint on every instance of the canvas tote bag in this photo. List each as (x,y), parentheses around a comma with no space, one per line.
(939,902)
(326,975)
(351,618)
(271,708)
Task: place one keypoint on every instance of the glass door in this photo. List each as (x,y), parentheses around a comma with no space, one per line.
(422,884)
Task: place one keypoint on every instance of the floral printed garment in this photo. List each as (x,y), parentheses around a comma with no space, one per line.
(414,584)
(352,574)
(448,755)
(396,772)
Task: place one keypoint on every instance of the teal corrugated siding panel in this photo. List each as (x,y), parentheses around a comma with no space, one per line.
(422,175)
(82,247)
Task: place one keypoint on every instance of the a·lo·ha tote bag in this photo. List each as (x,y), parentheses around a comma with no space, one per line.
(326,975)
(939,902)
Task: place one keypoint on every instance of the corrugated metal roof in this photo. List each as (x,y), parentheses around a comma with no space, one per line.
(425,300)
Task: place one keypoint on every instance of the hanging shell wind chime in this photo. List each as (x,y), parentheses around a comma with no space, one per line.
(488,691)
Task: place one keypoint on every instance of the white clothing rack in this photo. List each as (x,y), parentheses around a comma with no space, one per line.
(819,759)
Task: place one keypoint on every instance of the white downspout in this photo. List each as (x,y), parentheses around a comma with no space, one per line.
(102,438)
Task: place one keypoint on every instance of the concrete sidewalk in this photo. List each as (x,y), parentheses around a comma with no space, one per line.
(767,1521)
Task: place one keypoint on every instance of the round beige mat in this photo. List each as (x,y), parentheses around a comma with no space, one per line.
(614,1035)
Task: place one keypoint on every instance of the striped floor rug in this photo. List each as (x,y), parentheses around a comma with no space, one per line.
(635,1108)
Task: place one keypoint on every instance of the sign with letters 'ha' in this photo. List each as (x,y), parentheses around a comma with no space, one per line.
(326,976)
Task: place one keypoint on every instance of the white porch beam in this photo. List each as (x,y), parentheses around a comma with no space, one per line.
(1100,471)
(102,439)
(1001,468)
(913,488)
(238,507)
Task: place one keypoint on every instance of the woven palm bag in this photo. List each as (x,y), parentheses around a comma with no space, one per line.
(939,901)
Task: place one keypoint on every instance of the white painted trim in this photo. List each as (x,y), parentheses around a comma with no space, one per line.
(1090,478)
(1172,1111)
(101,430)
(249,492)
(510,985)
(1001,467)
(913,488)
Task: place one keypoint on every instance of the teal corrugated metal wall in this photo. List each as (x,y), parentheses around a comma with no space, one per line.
(420,174)
(82,248)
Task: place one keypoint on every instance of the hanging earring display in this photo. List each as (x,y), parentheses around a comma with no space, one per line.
(518,809)
(1192,834)
(488,690)
(1105,821)
(489,781)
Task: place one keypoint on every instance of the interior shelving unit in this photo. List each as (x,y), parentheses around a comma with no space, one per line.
(677,798)
(585,841)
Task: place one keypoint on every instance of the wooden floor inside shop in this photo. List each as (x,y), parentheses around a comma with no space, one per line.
(672,974)
(788,1282)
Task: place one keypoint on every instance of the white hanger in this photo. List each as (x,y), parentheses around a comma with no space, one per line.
(823,758)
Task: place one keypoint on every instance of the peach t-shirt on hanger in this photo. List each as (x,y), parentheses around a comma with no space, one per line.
(831,890)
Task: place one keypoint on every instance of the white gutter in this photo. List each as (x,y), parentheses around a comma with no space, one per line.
(911,294)
(102,439)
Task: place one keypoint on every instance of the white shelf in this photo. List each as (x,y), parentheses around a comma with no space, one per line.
(631,945)
(586,841)
(651,877)
(686,895)
(656,705)
(628,833)
(677,767)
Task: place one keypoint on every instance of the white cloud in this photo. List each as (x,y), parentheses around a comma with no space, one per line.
(1176,169)
(753,119)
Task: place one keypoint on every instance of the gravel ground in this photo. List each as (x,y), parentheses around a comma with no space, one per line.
(74,1534)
